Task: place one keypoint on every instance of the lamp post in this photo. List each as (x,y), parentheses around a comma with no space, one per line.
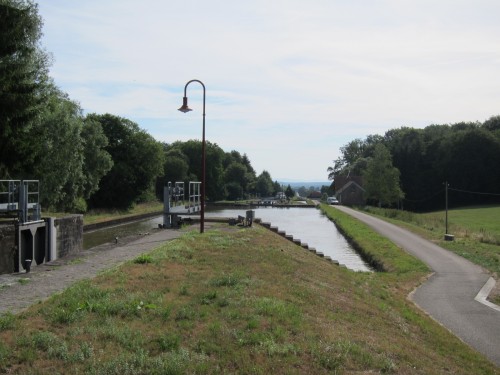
(185,109)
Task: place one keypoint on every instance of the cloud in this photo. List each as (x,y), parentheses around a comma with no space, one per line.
(288,82)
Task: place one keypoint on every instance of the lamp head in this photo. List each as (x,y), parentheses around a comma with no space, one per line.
(185,107)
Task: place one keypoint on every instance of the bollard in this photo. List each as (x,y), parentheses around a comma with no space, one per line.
(27,265)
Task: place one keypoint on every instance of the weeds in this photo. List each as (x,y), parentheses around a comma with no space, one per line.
(229,280)
(23,280)
(7,321)
(143,259)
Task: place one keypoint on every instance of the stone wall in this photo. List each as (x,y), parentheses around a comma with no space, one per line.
(7,248)
(69,238)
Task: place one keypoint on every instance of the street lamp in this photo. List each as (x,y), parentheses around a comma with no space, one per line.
(186,109)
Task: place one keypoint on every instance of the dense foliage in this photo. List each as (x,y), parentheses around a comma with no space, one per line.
(229,175)
(138,159)
(43,134)
(466,155)
(23,81)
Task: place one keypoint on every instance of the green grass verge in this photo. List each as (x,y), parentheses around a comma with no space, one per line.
(476,231)
(239,301)
(377,250)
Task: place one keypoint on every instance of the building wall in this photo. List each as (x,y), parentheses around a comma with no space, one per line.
(352,197)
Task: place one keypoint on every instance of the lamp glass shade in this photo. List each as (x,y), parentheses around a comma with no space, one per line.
(185,107)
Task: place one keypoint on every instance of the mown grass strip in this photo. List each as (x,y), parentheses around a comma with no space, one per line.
(376,250)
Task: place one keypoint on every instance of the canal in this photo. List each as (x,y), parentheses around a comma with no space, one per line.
(307,224)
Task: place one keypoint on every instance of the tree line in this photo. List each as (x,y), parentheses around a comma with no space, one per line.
(93,160)
(409,167)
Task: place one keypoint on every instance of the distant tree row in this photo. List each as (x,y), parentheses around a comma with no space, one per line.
(410,166)
(93,160)
(229,175)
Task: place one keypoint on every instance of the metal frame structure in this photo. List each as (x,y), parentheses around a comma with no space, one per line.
(22,197)
(195,196)
(171,195)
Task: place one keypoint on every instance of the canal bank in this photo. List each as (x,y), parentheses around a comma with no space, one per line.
(305,225)
(20,290)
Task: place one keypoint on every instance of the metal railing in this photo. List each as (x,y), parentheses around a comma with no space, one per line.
(21,197)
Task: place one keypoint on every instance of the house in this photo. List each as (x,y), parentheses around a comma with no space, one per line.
(314,195)
(349,190)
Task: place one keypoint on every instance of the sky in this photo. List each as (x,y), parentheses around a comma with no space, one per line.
(288,82)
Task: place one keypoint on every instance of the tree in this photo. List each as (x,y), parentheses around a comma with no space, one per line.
(407,148)
(303,191)
(246,162)
(354,157)
(472,158)
(264,184)
(493,125)
(97,162)
(59,152)
(235,175)
(138,160)
(234,190)
(23,78)
(381,179)
(289,192)
(277,187)
(176,166)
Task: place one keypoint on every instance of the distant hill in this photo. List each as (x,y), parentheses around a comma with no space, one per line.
(297,184)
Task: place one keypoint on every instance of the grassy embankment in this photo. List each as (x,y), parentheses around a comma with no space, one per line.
(476,231)
(239,300)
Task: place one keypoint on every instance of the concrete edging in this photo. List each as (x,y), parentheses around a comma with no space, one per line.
(296,241)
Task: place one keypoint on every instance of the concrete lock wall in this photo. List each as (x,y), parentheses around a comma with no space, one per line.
(7,248)
(44,242)
(69,235)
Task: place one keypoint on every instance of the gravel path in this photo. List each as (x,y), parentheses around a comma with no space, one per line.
(20,290)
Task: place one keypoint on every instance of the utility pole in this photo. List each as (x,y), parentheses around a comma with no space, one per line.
(447,237)
(446,205)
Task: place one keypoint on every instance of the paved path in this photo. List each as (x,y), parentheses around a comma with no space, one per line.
(450,295)
(19,291)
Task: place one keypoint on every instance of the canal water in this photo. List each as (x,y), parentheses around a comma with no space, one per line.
(307,224)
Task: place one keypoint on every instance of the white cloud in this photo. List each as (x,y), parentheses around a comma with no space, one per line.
(288,82)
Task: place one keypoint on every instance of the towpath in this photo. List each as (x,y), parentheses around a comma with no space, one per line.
(20,290)
(455,293)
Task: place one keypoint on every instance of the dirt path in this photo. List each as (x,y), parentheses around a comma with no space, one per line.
(19,291)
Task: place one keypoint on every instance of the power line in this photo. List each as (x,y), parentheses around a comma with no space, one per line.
(425,199)
(474,192)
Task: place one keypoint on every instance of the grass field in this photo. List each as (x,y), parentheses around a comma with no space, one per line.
(476,231)
(239,301)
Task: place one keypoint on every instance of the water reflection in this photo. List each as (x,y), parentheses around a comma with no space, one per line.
(311,227)
(307,224)
(108,234)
